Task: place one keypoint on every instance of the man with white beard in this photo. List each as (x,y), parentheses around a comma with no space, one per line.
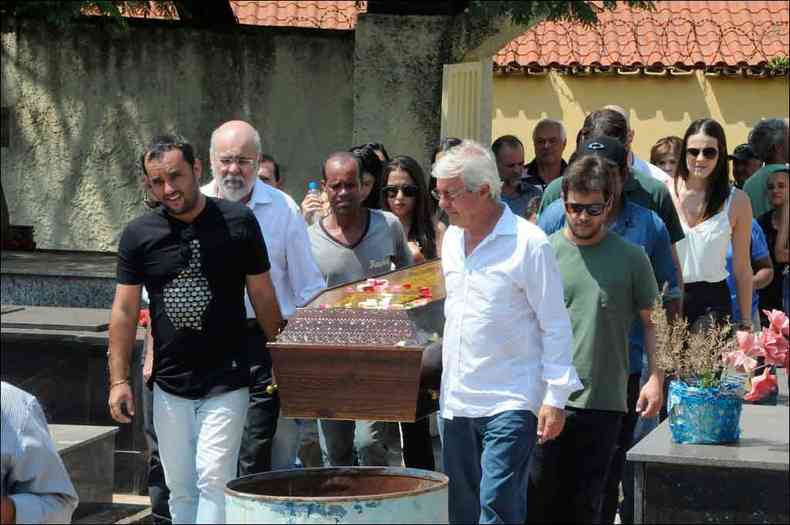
(235,152)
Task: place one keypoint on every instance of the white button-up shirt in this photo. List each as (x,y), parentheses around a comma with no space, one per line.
(294,272)
(507,334)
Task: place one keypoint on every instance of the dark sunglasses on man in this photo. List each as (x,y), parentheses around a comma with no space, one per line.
(409,190)
(592,210)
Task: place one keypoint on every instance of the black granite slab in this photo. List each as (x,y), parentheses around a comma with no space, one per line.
(57,318)
(743,482)
(67,371)
(88,452)
(61,263)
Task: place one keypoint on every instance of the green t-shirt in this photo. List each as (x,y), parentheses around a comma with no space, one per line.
(640,189)
(605,286)
(755,187)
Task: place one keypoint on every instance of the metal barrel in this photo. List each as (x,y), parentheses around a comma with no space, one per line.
(338,495)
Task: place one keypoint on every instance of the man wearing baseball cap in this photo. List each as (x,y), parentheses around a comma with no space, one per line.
(744,163)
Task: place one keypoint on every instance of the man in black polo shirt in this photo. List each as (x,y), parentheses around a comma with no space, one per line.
(549,139)
(194,254)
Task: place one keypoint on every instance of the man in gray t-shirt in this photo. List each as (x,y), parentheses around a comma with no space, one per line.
(383,244)
(349,244)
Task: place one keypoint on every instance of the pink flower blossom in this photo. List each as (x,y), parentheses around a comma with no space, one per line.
(761,386)
(740,361)
(747,343)
(779,322)
(774,347)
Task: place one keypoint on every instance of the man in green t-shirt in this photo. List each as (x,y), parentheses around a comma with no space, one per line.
(607,281)
(770,140)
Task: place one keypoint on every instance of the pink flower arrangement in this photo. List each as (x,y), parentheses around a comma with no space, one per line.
(771,344)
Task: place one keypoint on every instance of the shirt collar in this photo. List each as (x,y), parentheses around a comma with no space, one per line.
(260,193)
(506,225)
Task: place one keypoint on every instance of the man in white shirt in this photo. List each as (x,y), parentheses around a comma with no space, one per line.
(634,162)
(235,152)
(507,365)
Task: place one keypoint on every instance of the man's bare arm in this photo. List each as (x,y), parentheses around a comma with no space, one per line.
(264,301)
(123,329)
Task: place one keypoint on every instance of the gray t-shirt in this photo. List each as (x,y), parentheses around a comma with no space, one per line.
(382,245)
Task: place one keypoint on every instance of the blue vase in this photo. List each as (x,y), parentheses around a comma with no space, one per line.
(704,415)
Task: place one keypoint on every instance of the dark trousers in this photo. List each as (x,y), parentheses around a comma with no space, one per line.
(703,299)
(157,488)
(616,469)
(487,461)
(567,475)
(418,445)
(255,453)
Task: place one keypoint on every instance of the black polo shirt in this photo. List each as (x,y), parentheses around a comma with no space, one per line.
(195,276)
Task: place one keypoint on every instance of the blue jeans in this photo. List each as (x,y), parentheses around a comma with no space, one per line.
(285,445)
(487,460)
(199,447)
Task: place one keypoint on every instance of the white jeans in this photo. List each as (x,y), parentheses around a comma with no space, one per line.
(199,443)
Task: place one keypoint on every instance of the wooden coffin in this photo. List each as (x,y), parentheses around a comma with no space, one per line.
(351,355)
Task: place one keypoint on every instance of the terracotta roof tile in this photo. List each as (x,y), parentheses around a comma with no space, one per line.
(676,33)
(323,14)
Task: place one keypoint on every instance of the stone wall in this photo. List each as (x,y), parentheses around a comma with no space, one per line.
(80,102)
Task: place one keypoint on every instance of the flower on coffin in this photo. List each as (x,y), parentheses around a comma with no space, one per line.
(762,386)
(778,322)
(144,317)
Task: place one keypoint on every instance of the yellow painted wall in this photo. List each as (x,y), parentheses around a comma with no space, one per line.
(658,106)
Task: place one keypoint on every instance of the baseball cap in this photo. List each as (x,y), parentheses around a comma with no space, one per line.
(742,152)
(603,146)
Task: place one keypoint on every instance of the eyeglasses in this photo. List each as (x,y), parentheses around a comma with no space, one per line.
(448,195)
(409,190)
(242,162)
(708,153)
(592,210)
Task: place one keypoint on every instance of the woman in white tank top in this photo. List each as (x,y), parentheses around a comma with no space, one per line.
(712,212)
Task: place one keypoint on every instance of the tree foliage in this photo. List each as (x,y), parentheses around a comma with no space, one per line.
(524,12)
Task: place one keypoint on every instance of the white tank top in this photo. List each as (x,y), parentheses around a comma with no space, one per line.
(703,252)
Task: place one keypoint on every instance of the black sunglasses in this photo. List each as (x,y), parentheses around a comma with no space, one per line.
(592,209)
(708,153)
(409,190)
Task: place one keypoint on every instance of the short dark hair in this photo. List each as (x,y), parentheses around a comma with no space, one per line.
(376,146)
(444,145)
(164,143)
(589,174)
(269,158)
(605,122)
(342,155)
(511,141)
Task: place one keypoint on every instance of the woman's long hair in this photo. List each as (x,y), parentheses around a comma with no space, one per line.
(370,164)
(718,187)
(422,227)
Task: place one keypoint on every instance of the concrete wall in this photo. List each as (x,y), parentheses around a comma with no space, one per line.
(398,82)
(658,106)
(82,102)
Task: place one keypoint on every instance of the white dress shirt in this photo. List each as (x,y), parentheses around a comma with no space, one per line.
(507,334)
(294,272)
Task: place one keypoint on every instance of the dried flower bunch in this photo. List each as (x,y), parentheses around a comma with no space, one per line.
(694,356)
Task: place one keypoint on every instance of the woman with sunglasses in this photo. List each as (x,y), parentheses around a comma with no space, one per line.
(712,213)
(405,193)
(771,222)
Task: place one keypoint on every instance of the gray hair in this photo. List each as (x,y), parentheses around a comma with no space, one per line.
(256,139)
(765,135)
(550,122)
(474,163)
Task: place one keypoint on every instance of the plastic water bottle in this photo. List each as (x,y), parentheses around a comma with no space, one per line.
(313,188)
